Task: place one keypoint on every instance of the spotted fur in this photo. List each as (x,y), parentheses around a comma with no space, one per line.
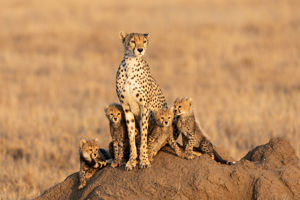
(91,159)
(118,132)
(162,133)
(138,93)
(193,137)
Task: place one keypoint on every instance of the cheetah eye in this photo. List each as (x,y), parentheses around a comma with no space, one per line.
(179,106)
(145,41)
(132,41)
(119,114)
(169,117)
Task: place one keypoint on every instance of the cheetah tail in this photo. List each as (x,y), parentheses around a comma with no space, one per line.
(219,159)
(104,154)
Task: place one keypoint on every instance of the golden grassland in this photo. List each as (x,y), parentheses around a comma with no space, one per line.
(238,60)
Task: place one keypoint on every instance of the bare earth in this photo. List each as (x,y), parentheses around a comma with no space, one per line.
(270,171)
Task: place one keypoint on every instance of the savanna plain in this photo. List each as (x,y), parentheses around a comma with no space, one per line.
(238,60)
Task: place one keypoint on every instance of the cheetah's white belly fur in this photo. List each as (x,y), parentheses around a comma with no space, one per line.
(129,93)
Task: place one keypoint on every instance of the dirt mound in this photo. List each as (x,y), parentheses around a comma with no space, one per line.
(270,171)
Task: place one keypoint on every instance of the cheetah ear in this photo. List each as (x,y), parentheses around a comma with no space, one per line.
(123,35)
(155,112)
(105,109)
(190,100)
(146,35)
(82,142)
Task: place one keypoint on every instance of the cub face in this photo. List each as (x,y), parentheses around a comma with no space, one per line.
(114,113)
(183,106)
(135,44)
(164,117)
(89,149)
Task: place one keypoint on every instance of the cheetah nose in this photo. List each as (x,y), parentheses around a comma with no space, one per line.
(166,123)
(115,119)
(140,50)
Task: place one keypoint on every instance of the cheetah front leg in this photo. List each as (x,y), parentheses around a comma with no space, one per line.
(172,142)
(84,175)
(189,141)
(150,148)
(101,163)
(154,145)
(116,161)
(130,121)
(121,153)
(82,179)
(144,161)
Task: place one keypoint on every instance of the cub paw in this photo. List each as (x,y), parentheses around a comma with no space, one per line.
(189,156)
(114,164)
(198,154)
(81,186)
(181,155)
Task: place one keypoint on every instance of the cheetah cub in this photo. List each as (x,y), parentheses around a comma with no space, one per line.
(193,137)
(91,159)
(162,133)
(118,131)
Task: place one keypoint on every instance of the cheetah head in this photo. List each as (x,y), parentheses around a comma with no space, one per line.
(89,151)
(135,44)
(164,117)
(183,106)
(114,113)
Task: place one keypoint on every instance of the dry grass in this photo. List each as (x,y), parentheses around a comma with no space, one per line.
(238,60)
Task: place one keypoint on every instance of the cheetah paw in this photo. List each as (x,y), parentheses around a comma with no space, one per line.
(190,156)
(144,164)
(114,164)
(81,186)
(197,154)
(130,165)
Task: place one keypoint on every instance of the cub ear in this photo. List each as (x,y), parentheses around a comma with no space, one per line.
(189,100)
(96,140)
(155,112)
(146,35)
(82,142)
(123,35)
(105,109)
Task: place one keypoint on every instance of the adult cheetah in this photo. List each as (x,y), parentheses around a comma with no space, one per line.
(138,93)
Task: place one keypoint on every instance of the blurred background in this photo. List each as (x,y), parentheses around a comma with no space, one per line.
(238,60)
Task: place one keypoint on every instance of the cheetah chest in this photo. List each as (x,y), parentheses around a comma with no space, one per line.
(132,85)
(185,126)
